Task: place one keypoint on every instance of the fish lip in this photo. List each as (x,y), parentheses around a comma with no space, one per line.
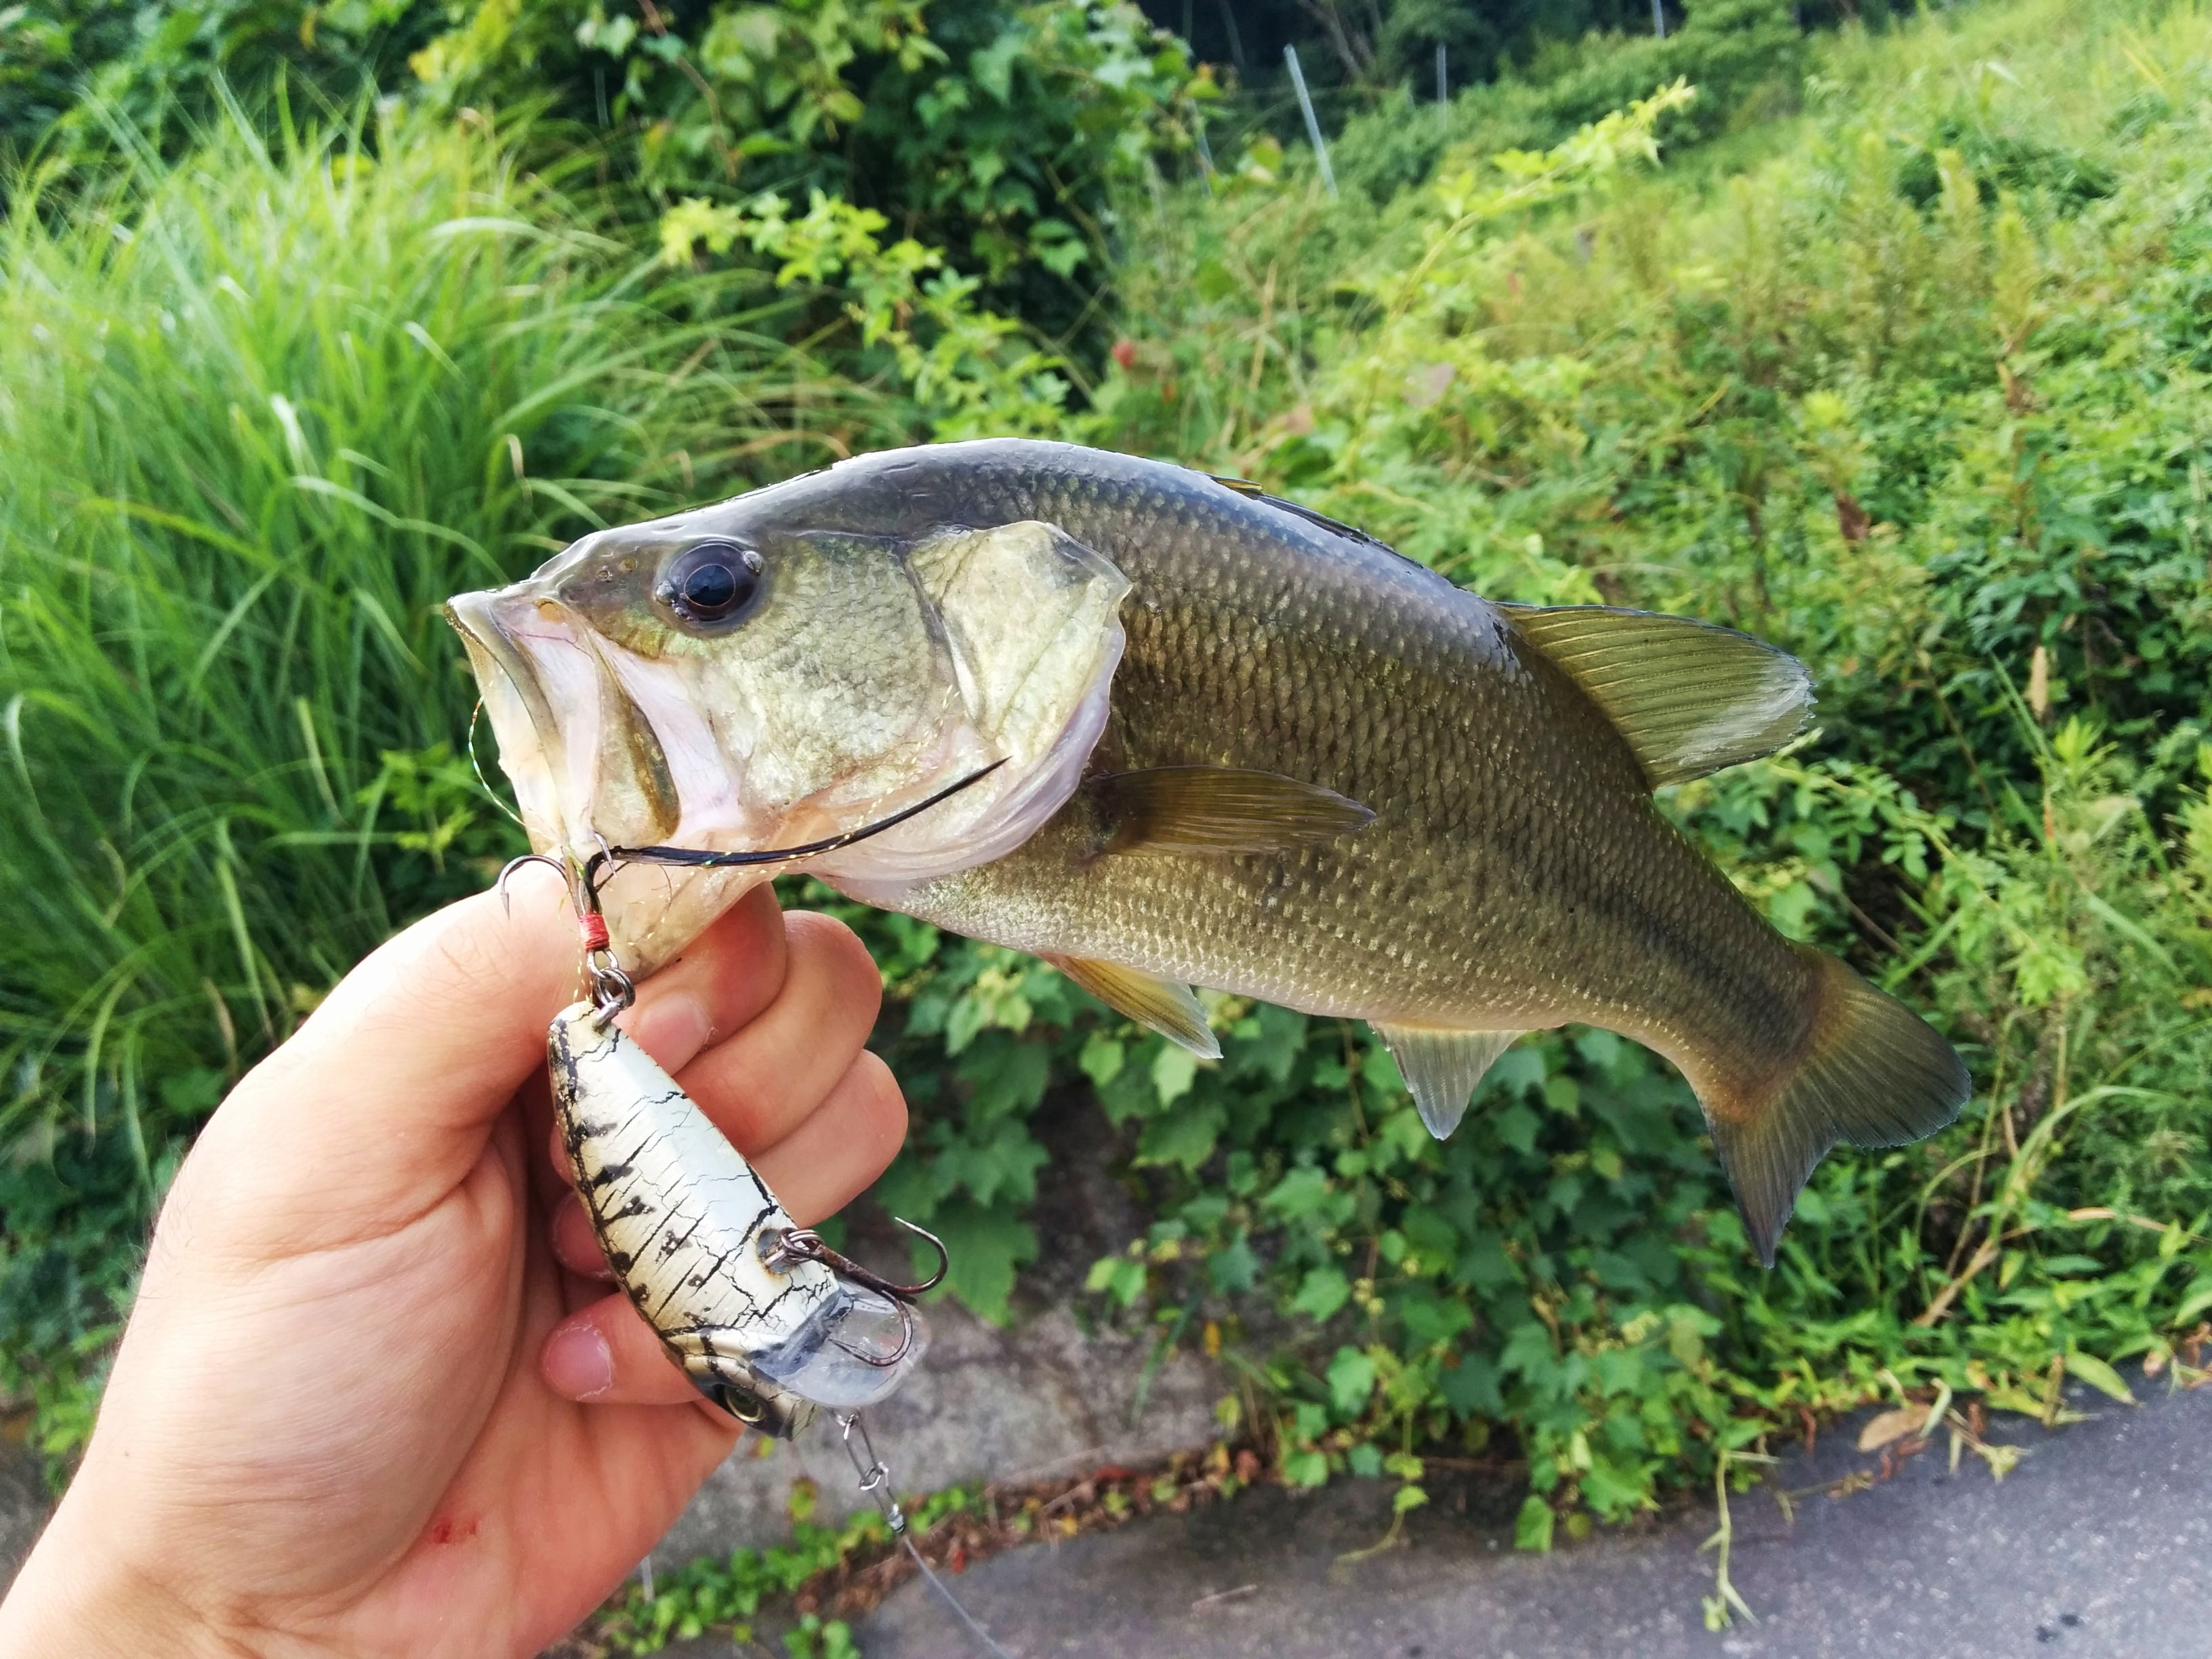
(475,616)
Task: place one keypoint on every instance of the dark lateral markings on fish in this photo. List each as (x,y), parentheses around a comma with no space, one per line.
(1227,742)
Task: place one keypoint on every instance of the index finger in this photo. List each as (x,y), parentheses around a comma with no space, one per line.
(386,1097)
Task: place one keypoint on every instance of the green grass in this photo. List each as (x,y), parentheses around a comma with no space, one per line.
(262,413)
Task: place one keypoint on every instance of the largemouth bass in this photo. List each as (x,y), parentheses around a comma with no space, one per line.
(1237,745)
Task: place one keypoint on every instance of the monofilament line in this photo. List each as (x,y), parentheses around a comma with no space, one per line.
(875,1477)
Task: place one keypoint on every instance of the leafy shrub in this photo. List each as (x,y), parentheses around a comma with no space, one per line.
(908,320)
(2000,163)
(1728,49)
(154,72)
(995,132)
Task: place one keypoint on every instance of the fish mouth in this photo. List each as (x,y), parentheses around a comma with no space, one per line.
(532,658)
(523,719)
(875,778)
(533,749)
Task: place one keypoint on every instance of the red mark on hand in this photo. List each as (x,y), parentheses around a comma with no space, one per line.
(446,1530)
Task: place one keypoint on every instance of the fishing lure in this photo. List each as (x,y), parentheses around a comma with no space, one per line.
(769,1322)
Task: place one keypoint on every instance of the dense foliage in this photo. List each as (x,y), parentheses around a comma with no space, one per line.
(76,72)
(1906,370)
(1000,134)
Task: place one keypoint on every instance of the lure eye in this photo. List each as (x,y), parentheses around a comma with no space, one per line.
(711,585)
(742,1404)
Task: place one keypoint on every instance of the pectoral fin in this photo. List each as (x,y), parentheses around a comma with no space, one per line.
(1216,808)
(1441,1067)
(1160,1004)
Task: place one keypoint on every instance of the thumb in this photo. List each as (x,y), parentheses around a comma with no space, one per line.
(379,1104)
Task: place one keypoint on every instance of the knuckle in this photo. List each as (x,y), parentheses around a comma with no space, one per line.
(880,1100)
(834,952)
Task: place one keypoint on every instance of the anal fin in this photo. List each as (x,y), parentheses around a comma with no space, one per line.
(1216,808)
(1441,1068)
(1159,1004)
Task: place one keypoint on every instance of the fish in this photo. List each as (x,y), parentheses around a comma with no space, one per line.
(1231,742)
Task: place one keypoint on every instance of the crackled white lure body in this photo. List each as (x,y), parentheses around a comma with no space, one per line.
(750,1306)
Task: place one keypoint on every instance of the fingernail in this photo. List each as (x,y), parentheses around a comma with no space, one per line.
(673,1027)
(576,1361)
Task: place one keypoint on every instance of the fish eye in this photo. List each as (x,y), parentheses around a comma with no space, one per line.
(714,582)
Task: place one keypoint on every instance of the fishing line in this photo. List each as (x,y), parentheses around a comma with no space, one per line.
(875,1479)
(476,767)
(693,858)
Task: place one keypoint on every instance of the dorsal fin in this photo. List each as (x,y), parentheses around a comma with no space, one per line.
(1690,697)
(1160,1004)
(1252,492)
(1441,1068)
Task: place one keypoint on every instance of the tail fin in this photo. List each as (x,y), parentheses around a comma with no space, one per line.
(1873,1073)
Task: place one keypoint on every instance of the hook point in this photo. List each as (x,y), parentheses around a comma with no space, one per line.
(506,903)
(943,1258)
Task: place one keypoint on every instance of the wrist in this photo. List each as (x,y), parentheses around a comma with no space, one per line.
(74,1597)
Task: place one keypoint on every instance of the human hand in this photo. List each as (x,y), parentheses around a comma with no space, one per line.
(375,1396)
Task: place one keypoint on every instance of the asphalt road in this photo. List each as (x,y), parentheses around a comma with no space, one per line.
(2097,1546)
(2100,1543)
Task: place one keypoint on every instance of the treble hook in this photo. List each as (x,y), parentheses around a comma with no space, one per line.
(890,1361)
(779,1250)
(513,865)
(804,1244)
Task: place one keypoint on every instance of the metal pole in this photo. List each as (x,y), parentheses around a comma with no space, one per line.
(1313,121)
(1659,18)
(1440,75)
